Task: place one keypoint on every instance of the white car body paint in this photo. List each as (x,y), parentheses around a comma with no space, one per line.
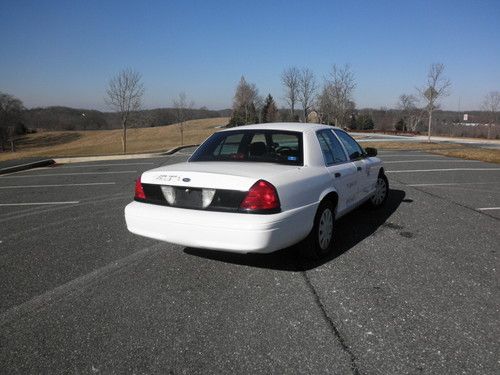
(300,190)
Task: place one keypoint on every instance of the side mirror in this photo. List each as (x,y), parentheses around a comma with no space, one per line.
(371,151)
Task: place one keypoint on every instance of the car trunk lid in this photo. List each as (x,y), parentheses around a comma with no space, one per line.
(215,175)
(219,186)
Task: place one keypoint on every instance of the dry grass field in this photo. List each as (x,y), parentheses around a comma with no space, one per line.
(108,142)
(158,139)
(446,149)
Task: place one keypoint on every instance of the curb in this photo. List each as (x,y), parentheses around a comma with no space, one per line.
(80,159)
(22,167)
(175,149)
(83,159)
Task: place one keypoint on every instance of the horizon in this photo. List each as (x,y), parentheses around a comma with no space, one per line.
(57,54)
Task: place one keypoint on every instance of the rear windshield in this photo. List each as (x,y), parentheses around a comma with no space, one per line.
(268,146)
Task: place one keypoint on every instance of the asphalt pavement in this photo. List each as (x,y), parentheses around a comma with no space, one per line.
(411,289)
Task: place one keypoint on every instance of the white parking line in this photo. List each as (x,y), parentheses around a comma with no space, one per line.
(456,183)
(66,174)
(444,170)
(422,155)
(488,208)
(37,203)
(103,165)
(431,160)
(56,185)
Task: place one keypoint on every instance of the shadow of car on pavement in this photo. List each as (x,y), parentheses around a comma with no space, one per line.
(349,231)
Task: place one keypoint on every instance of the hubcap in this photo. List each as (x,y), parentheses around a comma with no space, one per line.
(325,229)
(380,192)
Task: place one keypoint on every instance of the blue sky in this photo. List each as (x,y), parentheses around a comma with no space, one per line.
(65,52)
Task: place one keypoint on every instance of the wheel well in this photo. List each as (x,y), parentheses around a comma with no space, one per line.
(381,172)
(332,197)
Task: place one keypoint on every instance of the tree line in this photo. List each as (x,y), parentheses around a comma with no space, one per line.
(329,102)
(332,102)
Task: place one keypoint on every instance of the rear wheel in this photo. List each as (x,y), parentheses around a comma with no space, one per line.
(320,241)
(381,191)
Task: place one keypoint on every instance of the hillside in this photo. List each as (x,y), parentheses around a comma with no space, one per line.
(108,142)
(65,118)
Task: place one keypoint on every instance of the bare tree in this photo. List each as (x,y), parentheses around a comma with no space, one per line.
(491,104)
(307,90)
(10,116)
(290,79)
(335,101)
(183,109)
(325,105)
(436,87)
(410,113)
(124,95)
(342,85)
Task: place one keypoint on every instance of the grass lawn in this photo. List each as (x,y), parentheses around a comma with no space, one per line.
(446,149)
(108,142)
(163,138)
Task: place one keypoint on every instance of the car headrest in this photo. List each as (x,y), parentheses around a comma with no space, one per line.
(257,149)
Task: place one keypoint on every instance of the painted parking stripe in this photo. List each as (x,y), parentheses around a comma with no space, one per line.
(431,160)
(444,170)
(67,174)
(489,208)
(56,185)
(456,183)
(422,155)
(38,203)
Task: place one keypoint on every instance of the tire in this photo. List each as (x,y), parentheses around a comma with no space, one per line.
(381,192)
(319,242)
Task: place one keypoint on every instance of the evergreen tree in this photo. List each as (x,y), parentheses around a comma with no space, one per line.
(364,122)
(269,111)
(244,115)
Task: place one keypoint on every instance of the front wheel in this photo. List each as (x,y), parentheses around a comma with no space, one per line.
(320,241)
(381,192)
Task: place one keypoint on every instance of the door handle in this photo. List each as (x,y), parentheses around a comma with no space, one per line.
(359,168)
(338,174)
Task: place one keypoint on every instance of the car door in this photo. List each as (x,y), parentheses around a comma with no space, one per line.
(356,156)
(342,171)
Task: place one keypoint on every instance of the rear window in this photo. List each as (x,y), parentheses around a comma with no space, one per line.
(267,146)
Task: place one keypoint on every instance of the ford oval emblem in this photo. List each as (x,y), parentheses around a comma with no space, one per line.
(185,179)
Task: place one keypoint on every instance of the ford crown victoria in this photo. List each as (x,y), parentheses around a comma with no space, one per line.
(259,188)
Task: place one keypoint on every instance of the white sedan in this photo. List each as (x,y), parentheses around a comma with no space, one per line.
(259,188)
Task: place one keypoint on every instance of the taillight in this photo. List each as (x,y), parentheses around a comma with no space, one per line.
(262,196)
(139,191)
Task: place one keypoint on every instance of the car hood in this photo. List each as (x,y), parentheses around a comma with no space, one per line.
(217,175)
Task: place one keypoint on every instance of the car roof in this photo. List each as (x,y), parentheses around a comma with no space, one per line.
(288,126)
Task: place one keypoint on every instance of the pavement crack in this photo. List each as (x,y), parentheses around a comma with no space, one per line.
(338,336)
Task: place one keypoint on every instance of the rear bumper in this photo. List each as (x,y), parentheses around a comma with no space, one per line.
(236,232)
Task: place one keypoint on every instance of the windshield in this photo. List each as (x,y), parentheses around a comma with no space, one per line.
(268,146)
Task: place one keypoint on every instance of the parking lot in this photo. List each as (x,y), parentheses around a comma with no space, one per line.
(412,288)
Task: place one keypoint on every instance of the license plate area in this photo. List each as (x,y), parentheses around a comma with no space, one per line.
(187,197)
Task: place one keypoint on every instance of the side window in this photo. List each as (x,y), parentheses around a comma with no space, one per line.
(337,150)
(258,137)
(229,145)
(353,149)
(332,150)
(327,153)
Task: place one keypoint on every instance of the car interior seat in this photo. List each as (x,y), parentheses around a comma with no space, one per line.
(257,149)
